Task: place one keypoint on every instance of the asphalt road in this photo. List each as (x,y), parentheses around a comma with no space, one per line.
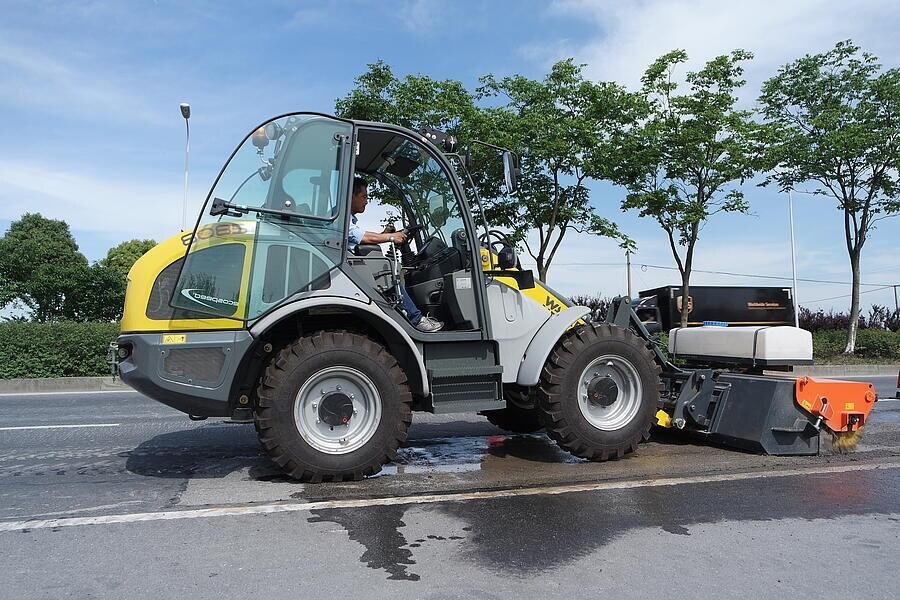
(111,495)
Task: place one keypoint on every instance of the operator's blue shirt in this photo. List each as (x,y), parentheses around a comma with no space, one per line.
(354,234)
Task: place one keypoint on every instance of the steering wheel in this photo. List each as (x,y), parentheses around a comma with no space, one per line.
(411,232)
(495,245)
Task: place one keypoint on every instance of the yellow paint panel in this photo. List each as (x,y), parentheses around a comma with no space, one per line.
(145,271)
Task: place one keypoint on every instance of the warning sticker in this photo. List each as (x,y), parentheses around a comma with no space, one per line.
(174,338)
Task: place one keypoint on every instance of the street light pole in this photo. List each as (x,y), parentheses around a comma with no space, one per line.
(628,270)
(186,113)
(793,261)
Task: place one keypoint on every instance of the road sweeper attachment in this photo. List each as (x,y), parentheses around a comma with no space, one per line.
(719,391)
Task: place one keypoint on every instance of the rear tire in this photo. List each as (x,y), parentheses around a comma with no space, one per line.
(520,415)
(599,392)
(333,406)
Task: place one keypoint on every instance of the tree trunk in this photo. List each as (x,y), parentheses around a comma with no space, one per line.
(542,271)
(854,304)
(685,296)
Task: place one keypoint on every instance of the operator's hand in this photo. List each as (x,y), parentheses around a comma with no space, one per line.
(400,237)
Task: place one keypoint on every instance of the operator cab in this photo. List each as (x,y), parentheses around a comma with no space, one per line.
(274,228)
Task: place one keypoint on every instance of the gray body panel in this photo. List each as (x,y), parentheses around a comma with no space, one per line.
(516,319)
(539,349)
(179,375)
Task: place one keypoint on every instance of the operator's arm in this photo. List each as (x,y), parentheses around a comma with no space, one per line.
(370,237)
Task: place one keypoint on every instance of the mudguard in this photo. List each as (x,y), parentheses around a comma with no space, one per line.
(544,341)
(377,318)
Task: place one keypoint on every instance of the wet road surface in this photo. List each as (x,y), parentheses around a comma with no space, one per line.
(517,515)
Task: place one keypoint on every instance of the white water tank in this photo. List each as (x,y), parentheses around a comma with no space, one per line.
(779,345)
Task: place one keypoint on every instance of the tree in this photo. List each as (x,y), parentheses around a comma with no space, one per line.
(684,162)
(558,126)
(122,257)
(833,122)
(40,266)
(562,127)
(416,101)
(97,295)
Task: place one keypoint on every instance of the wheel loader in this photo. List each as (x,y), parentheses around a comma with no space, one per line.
(263,313)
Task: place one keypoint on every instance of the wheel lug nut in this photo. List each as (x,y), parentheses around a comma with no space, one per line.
(355,411)
(315,406)
(352,396)
(338,388)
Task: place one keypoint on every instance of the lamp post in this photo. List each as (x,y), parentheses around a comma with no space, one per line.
(793,260)
(186,113)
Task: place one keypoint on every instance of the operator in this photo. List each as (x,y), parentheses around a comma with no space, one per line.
(356,236)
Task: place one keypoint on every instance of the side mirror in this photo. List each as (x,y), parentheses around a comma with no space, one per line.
(440,215)
(506,258)
(510,171)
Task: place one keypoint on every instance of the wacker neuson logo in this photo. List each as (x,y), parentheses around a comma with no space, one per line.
(201,298)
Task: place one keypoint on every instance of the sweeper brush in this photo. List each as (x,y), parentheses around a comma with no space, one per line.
(845,442)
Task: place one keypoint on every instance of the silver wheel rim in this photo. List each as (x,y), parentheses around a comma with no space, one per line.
(628,401)
(338,439)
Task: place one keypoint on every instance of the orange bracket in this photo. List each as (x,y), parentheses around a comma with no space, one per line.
(842,405)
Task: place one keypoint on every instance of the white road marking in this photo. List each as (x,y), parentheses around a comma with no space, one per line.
(234,511)
(67,393)
(73,426)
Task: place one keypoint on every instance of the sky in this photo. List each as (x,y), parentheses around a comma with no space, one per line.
(92,133)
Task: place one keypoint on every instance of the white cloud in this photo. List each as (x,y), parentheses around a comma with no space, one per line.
(419,16)
(99,202)
(630,35)
(32,78)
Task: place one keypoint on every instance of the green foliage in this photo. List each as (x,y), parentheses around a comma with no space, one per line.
(832,123)
(416,101)
(61,349)
(122,257)
(40,267)
(42,270)
(562,128)
(870,344)
(686,158)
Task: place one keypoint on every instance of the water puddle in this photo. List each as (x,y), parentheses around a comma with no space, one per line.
(466,454)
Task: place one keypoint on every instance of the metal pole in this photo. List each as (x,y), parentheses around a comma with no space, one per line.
(187,151)
(794,261)
(896,305)
(628,270)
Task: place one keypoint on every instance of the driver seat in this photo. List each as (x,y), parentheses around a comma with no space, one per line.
(367,249)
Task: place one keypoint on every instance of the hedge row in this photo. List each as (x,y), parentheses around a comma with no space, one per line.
(54,349)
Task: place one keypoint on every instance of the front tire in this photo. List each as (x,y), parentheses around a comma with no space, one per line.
(333,406)
(599,392)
